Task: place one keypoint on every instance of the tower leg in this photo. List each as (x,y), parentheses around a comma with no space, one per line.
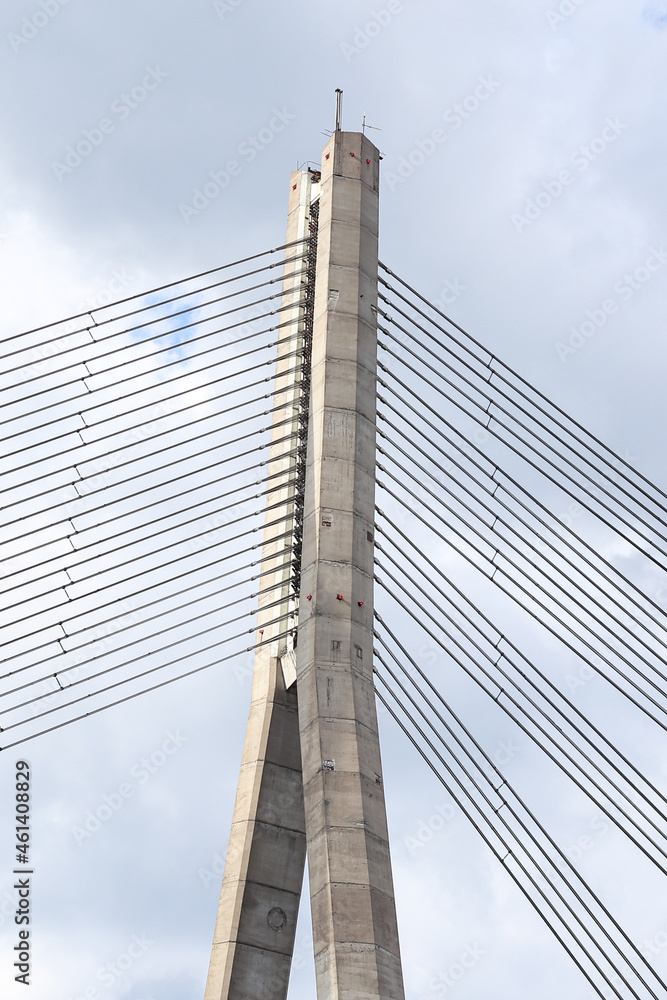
(259,900)
(354,919)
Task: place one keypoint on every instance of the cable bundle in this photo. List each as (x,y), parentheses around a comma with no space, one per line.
(147,462)
(488,494)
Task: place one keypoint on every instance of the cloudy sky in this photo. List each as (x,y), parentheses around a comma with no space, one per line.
(523,186)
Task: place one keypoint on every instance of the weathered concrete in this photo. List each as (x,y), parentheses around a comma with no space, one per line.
(324,755)
(354,919)
(259,900)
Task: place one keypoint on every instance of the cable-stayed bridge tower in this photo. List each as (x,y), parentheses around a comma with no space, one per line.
(311,777)
(202,457)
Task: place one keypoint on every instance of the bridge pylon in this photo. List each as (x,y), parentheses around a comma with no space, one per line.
(311,775)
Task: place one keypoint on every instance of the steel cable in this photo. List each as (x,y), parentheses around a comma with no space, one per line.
(152,291)
(500,520)
(515,718)
(621,586)
(465,608)
(68,568)
(493,373)
(148,489)
(540,858)
(84,461)
(488,427)
(55,437)
(81,481)
(492,576)
(488,674)
(97,625)
(138,642)
(202,565)
(30,529)
(88,393)
(133,347)
(467,812)
(154,687)
(161,666)
(491,402)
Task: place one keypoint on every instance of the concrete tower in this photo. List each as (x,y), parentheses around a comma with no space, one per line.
(311,776)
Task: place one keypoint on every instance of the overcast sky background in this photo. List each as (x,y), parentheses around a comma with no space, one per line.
(125,219)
